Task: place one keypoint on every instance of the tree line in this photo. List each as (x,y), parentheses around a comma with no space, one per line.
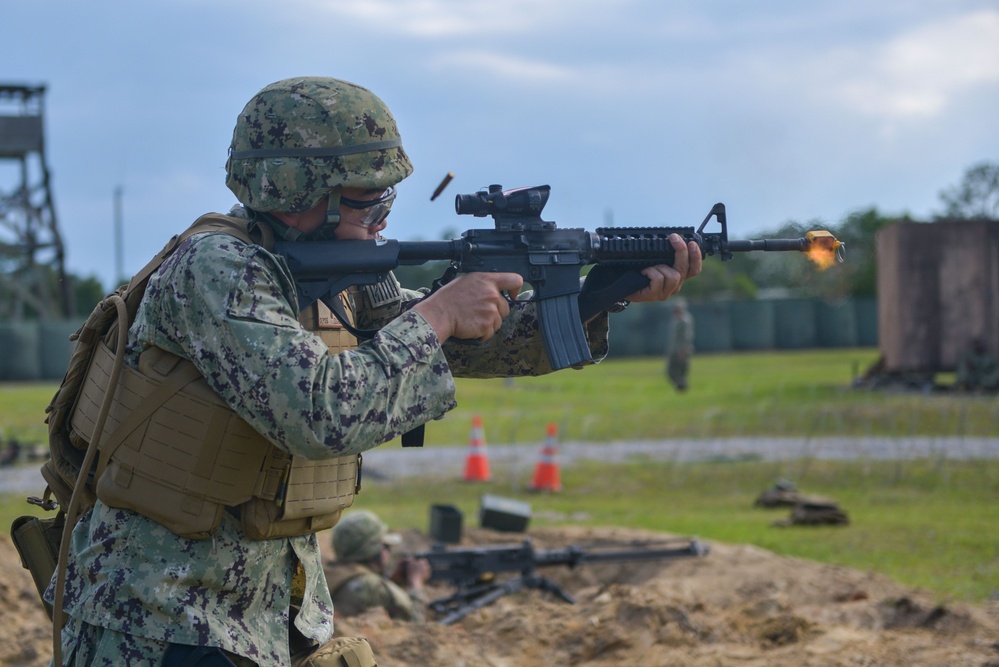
(748,275)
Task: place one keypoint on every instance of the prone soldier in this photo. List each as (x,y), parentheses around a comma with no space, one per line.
(359,577)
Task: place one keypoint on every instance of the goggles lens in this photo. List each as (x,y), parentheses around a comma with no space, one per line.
(375,210)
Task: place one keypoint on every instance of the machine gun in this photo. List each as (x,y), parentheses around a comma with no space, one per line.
(549,258)
(473,571)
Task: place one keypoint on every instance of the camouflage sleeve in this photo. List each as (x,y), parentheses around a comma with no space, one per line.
(516,350)
(671,333)
(370,590)
(227,306)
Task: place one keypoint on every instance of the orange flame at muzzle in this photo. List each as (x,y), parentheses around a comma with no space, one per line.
(824,249)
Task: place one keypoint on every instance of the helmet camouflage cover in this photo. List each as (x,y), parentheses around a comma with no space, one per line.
(359,537)
(300,139)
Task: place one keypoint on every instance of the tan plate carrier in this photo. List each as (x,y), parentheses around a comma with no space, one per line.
(173,451)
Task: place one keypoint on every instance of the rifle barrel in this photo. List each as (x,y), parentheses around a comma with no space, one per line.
(576,555)
(769,245)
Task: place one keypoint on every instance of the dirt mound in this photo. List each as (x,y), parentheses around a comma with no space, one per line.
(25,629)
(739,605)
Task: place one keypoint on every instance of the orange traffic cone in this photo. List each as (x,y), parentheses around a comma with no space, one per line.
(546,473)
(477,465)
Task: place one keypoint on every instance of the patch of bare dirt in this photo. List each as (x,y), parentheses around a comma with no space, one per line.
(25,629)
(739,605)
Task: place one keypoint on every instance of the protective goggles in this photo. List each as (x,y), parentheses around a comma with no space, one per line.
(375,210)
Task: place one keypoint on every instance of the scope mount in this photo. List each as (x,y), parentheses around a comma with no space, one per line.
(512,210)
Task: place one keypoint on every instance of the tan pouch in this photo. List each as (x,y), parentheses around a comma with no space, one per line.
(37,542)
(340,652)
(312,499)
(59,468)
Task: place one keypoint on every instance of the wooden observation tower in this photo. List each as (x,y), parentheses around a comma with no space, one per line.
(33,281)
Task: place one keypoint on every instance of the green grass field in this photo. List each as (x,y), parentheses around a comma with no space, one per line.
(754,394)
(928,523)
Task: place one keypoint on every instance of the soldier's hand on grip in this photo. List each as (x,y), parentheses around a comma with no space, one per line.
(472,306)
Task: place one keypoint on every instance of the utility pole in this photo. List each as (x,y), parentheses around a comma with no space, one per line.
(119,233)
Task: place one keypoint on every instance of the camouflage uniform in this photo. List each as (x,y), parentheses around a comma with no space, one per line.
(680,347)
(977,369)
(231,308)
(366,589)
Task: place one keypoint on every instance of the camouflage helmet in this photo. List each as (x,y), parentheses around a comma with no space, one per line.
(301,139)
(359,537)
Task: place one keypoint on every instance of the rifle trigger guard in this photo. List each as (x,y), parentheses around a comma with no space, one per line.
(449,274)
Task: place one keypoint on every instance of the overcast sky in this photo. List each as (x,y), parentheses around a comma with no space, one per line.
(650,109)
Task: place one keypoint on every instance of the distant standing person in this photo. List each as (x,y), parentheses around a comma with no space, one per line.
(977,369)
(679,345)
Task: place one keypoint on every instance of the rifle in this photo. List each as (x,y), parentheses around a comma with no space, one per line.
(473,571)
(549,258)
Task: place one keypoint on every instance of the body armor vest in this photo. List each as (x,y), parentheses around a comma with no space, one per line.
(173,451)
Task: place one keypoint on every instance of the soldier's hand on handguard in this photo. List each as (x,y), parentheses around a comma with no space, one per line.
(411,573)
(665,281)
(417,573)
(472,306)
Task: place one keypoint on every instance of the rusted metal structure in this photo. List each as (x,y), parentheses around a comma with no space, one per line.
(33,281)
(938,289)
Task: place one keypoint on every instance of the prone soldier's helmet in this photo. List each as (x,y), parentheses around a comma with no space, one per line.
(299,140)
(359,537)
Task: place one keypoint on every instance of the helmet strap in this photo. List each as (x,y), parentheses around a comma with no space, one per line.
(333,208)
(325,231)
(281,230)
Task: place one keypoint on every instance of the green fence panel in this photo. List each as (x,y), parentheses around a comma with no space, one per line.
(867,322)
(754,325)
(627,333)
(837,323)
(796,324)
(712,327)
(749,325)
(55,347)
(655,323)
(19,359)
